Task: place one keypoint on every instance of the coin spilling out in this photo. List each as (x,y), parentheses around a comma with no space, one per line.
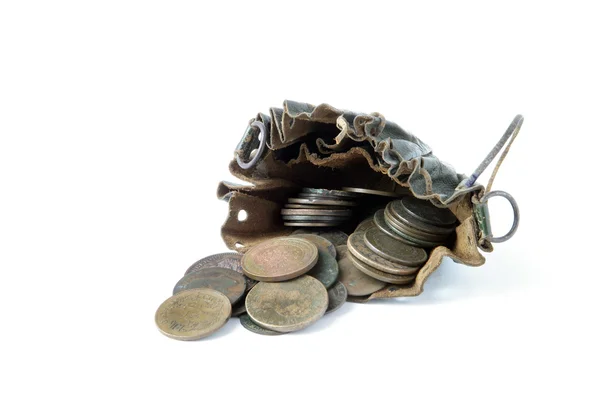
(193,314)
(287,306)
(279,259)
(313,207)
(326,270)
(231,261)
(356,282)
(247,323)
(337,295)
(232,284)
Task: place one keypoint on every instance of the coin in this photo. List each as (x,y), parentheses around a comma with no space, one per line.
(382,224)
(287,306)
(337,296)
(231,261)
(279,259)
(326,269)
(322,202)
(239,309)
(312,224)
(356,282)
(313,207)
(320,242)
(193,314)
(373,192)
(359,249)
(232,284)
(427,212)
(364,225)
(329,212)
(314,218)
(411,230)
(407,238)
(380,275)
(394,250)
(399,213)
(330,192)
(335,237)
(247,323)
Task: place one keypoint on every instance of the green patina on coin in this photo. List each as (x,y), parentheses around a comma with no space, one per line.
(356,282)
(379,275)
(336,238)
(337,295)
(247,323)
(359,249)
(394,250)
(326,269)
(232,284)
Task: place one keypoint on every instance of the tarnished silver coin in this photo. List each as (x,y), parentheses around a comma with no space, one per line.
(327,212)
(232,284)
(337,295)
(394,250)
(314,207)
(330,192)
(356,282)
(373,192)
(312,224)
(280,259)
(247,323)
(359,249)
(287,306)
(399,213)
(326,269)
(406,237)
(193,314)
(427,212)
(313,218)
(320,242)
(231,261)
(364,225)
(380,275)
(334,236)
(323,202)
(381,223)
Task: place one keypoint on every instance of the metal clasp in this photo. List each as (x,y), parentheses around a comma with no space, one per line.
(482,214)
(262,137)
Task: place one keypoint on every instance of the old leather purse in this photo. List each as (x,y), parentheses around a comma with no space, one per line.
(301,145)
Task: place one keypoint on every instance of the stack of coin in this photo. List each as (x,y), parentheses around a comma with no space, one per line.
(416,222)
(319,208)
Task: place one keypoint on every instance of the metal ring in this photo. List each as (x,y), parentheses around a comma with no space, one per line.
(517,216)
(261,147)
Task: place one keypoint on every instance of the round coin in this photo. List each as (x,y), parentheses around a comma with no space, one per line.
(326,269)
(337,295)
(427,212)
(313,207)
(239,309)
(232,284)
(319,241)
(279,259)
(231,261)
(287,306)
(359,249)
(313,218)
(193,314)
(407,237)
(382,224)
(394,250)
(247,323)
(312,224)
(397,210)
(330,192)
(373,192)
(335,237)
(364,225)
(322,202)
(328,212)
(356,282)
(379,275)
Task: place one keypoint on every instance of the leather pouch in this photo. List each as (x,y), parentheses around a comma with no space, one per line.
(301,145)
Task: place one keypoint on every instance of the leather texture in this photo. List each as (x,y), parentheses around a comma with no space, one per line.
(321,146)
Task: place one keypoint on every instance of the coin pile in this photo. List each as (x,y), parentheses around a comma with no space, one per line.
(319,208)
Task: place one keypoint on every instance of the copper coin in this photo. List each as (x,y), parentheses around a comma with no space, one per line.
(364,225)
(407,238)
(373,192)
(326,269)
(379,275)
(427,212)
(337,295)
(394,250)
(397,210)
(356,282)
(328,212)
(319,241)
(322,202)
(247,323)
(280,259)
(330,192)
(287,306)
(231,261)
(359,249)
(193,314)
(232,284)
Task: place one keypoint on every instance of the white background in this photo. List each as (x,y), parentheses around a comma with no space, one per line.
(118,119)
